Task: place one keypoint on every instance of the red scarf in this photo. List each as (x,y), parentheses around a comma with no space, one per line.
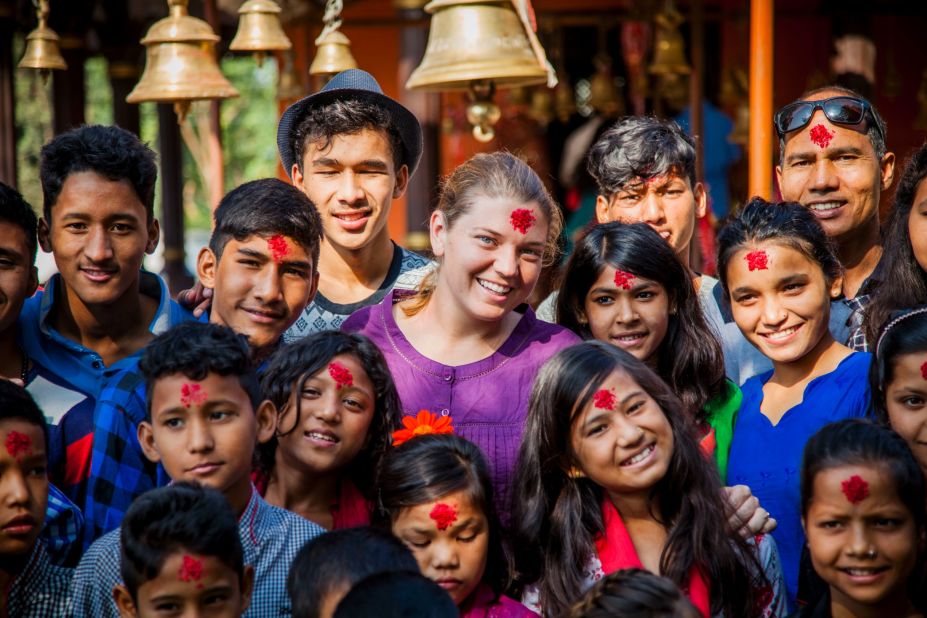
(616,552)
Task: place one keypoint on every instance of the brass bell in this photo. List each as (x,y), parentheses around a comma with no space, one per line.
(42,53)
(604,96)
(542,106)
(482,113)
(670,54)
(333,54)
(564,101)
(180,63)
(259,29)
(471,40)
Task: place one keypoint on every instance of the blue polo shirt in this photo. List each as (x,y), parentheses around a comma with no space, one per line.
(67,379)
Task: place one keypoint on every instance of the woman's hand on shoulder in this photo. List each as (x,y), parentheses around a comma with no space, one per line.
(745,515)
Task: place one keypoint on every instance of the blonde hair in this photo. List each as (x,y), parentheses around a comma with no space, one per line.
(496,175)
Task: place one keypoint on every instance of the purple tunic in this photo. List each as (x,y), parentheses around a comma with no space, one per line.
(488,399)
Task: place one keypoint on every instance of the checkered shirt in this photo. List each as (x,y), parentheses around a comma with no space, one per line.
(64,525)
(858,304)
(270,538)
(119,470)
(41,589)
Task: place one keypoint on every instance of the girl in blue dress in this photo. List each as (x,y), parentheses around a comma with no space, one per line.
(780,273)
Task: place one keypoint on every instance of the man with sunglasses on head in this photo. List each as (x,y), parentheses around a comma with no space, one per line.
(833,160)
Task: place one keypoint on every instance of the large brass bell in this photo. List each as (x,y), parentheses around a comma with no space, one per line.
(669,49)
(333,54)
(180,63)
(42,53)
(259,29)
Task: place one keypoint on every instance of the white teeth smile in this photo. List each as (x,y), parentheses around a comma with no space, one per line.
(644,454)
(494,287)
(862,572)
(322,436)
(629,338)
(782,334)
(825,206)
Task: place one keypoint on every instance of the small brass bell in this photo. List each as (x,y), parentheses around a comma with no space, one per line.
(42,53)
(259,29)
(333,54)
(180,63)
(482,113)
(542,106)
(669,49)
(564,101)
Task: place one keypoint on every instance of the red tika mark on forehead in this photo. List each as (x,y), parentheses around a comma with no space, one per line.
(278,247)
(604,399)
(522,219)
(821,136)
(623,279)
(18,444)
(924,371)
(192,394)
(855,488)
(444,515)
(757,260)
(341,375)
(191,570)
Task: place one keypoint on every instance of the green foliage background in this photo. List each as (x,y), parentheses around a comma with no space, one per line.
(249,128)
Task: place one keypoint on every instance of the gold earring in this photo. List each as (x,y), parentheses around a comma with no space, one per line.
(575,473)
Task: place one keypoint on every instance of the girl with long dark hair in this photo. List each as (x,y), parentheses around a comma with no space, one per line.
(610,476)
(624,285)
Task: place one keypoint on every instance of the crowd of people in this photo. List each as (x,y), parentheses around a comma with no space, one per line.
(328,424)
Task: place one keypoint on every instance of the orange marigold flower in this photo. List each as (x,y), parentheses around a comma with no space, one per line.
(421,424)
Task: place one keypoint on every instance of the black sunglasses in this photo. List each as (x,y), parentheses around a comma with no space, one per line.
(839,110)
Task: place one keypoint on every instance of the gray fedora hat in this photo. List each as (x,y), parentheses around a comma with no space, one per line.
(350,84)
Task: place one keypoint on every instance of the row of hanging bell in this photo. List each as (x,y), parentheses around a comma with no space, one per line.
(42,52)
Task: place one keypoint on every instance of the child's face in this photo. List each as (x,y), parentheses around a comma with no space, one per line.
(491,257)
(906,402)
(261,286)
(337,407)
(17,274)
(917,225)
(622,440)
(450,540)
(668,204)
(628,312)
(23,485)
(782,305)
(188,586)
(861,536)
(205,432)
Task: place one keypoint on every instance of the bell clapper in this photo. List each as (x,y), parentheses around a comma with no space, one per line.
(482,113)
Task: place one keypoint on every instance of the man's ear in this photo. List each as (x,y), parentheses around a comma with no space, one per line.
(297,177)
(44,234)
(247,587)
(887,169)
(701,200)
(124,602)
(206,266)
(147,442)
(154,235)
(266,417)
(402,182)
(33,282)
(602,214)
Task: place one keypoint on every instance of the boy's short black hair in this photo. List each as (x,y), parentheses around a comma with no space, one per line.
(634,593)
(16,210)
(396,595)
(339,558)
(197,349)
(264,208)
(110,151)
(16,402)
(182,517)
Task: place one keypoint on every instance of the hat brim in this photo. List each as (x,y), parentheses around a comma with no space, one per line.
(410,131)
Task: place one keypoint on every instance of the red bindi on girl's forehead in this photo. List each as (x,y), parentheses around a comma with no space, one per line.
(623,279)
(821,136)
(522,219)
(443,515)
(855,488)
(603,399)
(341,375)
(278,247)
(191,570)
(17,444)
(192,394)
(757,260)
(924,371)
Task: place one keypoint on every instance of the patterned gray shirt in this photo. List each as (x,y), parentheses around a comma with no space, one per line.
(405,273)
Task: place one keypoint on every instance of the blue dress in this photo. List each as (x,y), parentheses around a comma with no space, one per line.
(767,458)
